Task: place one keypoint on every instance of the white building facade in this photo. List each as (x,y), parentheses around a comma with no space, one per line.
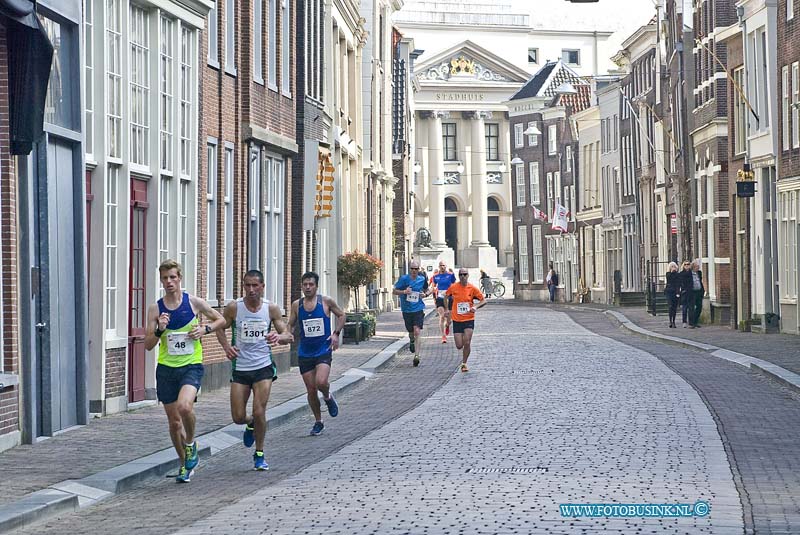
(141,107)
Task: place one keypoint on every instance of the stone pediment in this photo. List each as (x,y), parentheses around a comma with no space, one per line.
(467,62)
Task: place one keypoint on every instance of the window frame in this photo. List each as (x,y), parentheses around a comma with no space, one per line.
(519,180)
(449,153)
(576,51)
(212,57)
(533,182)
(212,223)
(230,37)
(535,55)
(522,254)
(492,134)
(533,139)
(552,139)
(258,41)
(795,105)
(537,253)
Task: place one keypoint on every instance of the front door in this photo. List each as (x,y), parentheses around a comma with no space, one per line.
(136,283)
(494,234)
(451,235)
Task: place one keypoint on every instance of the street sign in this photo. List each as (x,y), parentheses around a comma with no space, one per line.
(746,188)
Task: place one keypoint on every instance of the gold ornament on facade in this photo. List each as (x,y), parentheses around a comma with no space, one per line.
(462,65)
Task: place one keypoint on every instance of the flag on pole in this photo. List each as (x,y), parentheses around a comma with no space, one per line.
(323,202)
(538,214)
(560,221)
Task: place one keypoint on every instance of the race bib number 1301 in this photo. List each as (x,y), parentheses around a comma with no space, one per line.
(253,331)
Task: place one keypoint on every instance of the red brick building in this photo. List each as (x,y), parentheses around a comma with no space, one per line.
(248,144)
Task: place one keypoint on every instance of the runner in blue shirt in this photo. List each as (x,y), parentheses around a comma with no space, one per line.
(442,280)
(412,288)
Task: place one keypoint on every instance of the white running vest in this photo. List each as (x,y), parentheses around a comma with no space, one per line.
(251,337)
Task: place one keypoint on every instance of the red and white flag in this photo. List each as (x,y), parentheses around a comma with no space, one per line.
(538,214)
(560,218)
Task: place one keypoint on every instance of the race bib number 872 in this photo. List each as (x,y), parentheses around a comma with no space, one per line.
(313,327)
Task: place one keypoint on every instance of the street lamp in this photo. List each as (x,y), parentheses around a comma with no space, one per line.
(532,131)
(517,160)
(460,168)
(502,167)
(417,167)
(566,89)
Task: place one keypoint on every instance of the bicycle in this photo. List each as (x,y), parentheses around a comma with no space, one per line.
(498,288)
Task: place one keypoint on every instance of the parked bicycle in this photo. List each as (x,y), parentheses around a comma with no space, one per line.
(493,287)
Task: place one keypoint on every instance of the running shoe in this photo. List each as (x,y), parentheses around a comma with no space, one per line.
(444,339)
(333,407)
(416,361)
(411,346)
(248,437)
(191,456)
(317,429)
(464,367)
(260,463)
(184,475)
(447,331)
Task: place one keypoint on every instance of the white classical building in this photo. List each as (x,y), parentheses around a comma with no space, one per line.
(462,187)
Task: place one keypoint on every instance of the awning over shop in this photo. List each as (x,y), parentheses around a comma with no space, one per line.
(30,56)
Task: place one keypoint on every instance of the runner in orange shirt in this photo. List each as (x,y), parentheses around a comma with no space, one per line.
(462,309)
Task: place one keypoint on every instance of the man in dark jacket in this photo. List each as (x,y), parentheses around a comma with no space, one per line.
(697,292)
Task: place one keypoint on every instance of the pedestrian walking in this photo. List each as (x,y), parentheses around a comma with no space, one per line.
(412,288)
(318,341)
(173,324)
(463,310)
(251,319)
(685,281)
(672,291)
(697,293)
(486,284)
(552,283)
(441,281)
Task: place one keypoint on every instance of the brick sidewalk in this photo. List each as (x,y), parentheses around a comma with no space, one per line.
(779,349)
(113,440)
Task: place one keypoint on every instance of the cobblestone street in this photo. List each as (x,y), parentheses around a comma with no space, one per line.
(557,408)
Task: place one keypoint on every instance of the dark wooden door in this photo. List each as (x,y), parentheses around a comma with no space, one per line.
(136,284)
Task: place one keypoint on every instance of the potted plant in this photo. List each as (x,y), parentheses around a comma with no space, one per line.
(355,270)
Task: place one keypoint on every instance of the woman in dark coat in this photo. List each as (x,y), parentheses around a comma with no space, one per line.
(685,279)
(673,292)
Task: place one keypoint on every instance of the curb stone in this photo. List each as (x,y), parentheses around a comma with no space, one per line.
(769,370)
(72,495)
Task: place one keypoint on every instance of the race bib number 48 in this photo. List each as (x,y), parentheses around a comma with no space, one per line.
(179,344)
(463,308)
(253,331)
(313,327)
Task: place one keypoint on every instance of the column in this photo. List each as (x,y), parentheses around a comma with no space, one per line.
(436,175)
(480,228)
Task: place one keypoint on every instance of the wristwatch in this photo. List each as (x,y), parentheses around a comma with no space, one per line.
(336,332)
(208,329)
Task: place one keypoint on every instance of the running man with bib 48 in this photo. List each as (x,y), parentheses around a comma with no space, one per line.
(172,324)
(442,280)
(249,350)
(412,288)
(463,310)
(318,341)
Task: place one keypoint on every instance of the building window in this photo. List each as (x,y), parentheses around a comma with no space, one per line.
(538,261)
(163,220)
(211,228)
(58,108)
(739,114)
(522,240)
(533,139)
(789,9)
(789,230)
(228,200)
(533,179)
(254,190)
(230,37)
(492,142)
(571,56)
(518,138)
(550,194)
(568,157)
(552,139)
(286,47)
(519,171)
(88,21)
(795,105)
(111,225)
(533,55)
(213,36)
(114,73)
(167,91)
(187,53)
(449,141)
(258,41)
(272,65)
(785,106)
(273,202)
(183,221)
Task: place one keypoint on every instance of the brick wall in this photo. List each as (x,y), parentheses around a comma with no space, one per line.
(116,362)
(9,397)
(788,53)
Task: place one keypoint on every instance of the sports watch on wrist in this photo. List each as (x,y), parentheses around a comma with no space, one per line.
(208,329)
